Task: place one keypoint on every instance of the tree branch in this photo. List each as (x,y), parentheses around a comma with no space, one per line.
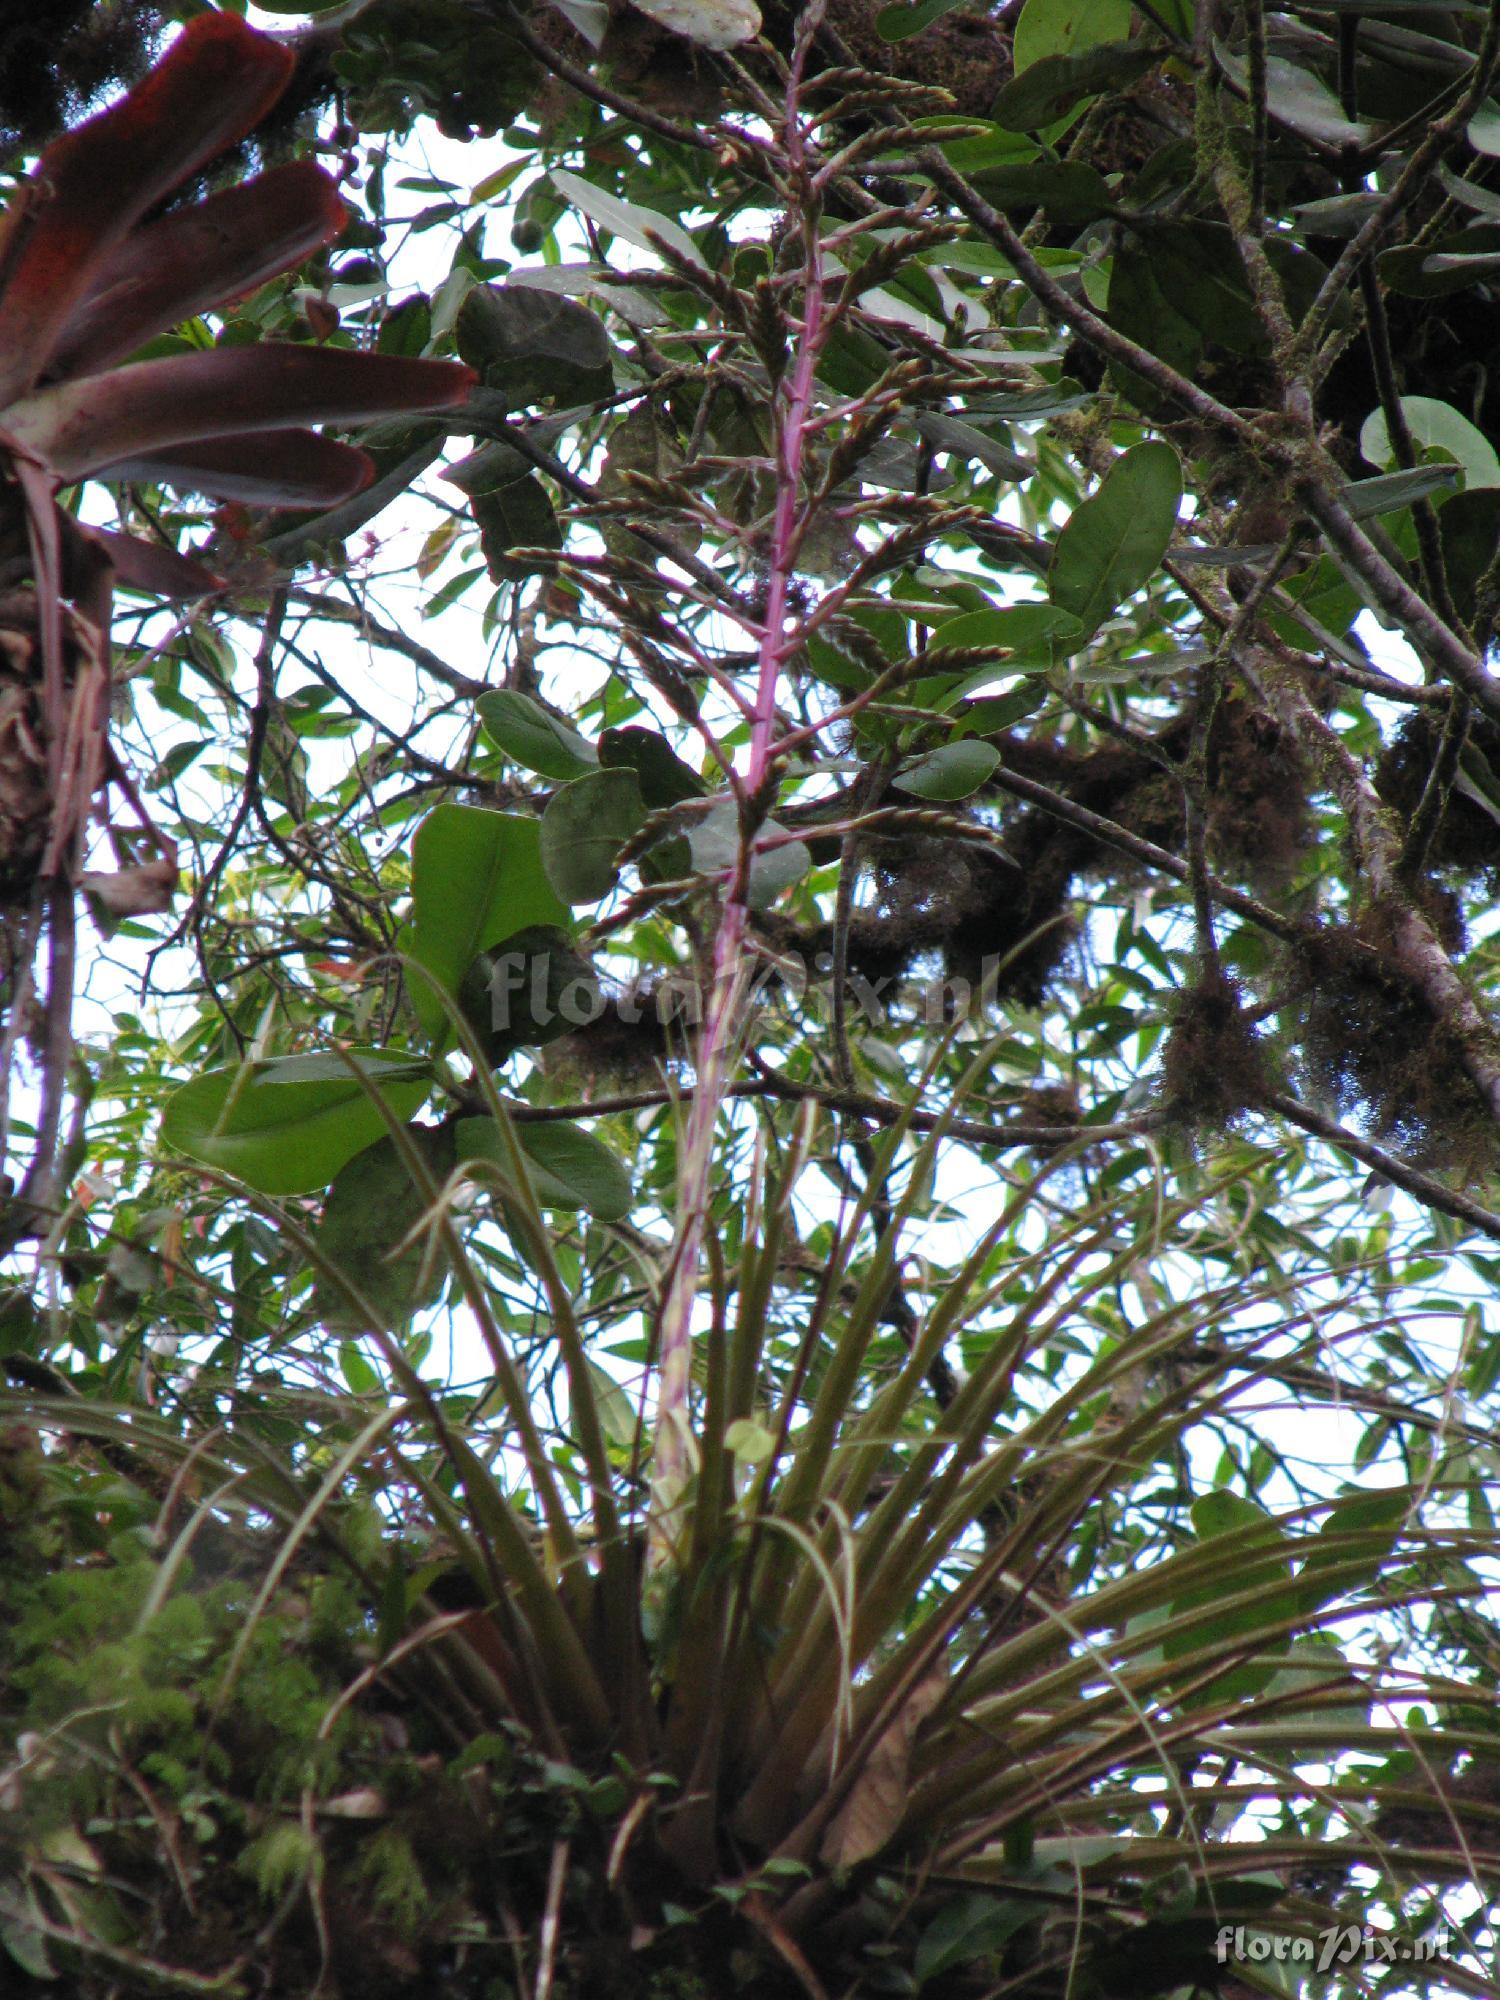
(1438,643)
(1288,929)
(1423,1187)
(1417,950)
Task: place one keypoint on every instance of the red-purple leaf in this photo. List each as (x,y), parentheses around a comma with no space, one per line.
(95,183)
(290,468)
(78,427)
(148,566)
(196,258)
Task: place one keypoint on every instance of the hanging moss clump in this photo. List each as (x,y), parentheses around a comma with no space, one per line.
(1152,806)
(923,887)
(1443,908)
(1004,927)
(1213,1066)
(1370,1040)
(1015,932)
(628,1044)
(1259,821)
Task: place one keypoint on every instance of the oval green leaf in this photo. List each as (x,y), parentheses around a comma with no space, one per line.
(1067,27)
(969,1927)
(568,1167)
(373,1204)
(1028,631)
(533,737)
(532,346)
(715,844)
(1207,1614)
(287,1126)
(477,878)
(1451,263)
(1434,425)
(1484,129)
(515,516)
(1051,87)
(952,771)
(632,224)
(1298,99)
(533,988)
(583,829)
(895,24)
(1469,529)
(664,779)
(1114,542)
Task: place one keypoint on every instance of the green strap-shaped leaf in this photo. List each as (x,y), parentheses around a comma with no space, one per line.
(1115,540)
(1391,490)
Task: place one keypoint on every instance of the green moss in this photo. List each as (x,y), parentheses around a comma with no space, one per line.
(396,1884)
(282,1856)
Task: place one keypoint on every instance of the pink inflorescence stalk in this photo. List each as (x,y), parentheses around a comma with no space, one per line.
(675,1446)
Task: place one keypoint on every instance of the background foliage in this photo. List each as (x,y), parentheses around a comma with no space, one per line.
(917,1412)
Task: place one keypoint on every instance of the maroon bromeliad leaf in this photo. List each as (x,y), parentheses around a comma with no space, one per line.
(95,183)
(82,284)
(199,257)
(76,428)
(282,468)
(151,567)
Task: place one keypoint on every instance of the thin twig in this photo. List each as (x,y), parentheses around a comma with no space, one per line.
(859,1104)
(1425,1189)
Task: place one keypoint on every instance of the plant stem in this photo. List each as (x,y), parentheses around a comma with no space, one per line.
(676,1448)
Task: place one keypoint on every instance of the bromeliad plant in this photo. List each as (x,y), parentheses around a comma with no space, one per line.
(89,274)
(937,1701)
